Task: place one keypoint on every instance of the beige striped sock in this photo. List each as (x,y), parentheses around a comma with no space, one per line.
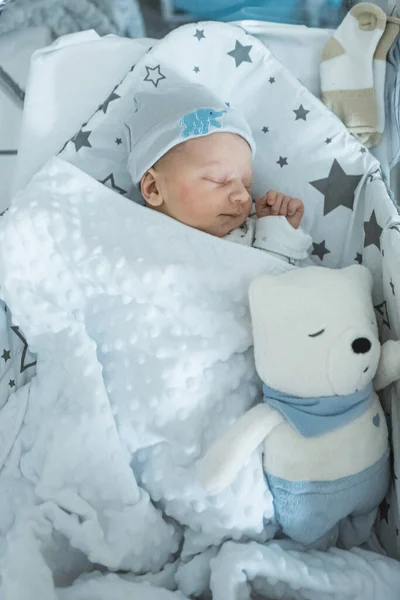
(347,73)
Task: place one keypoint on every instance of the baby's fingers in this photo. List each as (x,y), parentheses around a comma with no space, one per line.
(295,212)
(277,205)
(270,197)
(283,212)
(295,205)
(263,205)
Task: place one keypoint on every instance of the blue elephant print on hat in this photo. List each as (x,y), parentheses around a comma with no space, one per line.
(198,122)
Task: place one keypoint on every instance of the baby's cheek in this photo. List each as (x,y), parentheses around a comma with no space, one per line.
(187,199)
(181,197)
(198,203)
(184,192)
(194,199)
(249,205)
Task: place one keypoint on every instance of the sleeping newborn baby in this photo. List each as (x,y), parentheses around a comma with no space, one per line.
(192,159)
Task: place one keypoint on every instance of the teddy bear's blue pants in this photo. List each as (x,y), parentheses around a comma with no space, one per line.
(308,510)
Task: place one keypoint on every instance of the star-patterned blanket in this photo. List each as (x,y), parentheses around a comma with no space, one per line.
(106,435)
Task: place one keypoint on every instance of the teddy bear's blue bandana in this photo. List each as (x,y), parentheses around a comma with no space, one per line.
(315,416)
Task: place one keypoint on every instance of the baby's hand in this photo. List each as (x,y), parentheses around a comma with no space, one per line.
(277,204)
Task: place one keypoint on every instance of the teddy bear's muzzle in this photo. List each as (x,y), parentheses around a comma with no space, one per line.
(353,360)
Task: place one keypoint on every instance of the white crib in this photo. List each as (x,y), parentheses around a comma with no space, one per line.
(59,98)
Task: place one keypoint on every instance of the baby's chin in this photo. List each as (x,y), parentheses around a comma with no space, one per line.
(227,224)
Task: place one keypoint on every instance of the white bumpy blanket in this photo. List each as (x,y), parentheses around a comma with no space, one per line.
(144,355)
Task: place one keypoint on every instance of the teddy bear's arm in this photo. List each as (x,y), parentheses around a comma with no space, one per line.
(228,455)
(389,365)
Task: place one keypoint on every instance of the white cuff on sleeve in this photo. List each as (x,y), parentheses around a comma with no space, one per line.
(275,234)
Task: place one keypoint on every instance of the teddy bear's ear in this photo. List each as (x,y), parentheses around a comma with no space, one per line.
(361,275)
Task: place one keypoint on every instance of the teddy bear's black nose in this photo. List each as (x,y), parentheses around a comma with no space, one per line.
(361,346)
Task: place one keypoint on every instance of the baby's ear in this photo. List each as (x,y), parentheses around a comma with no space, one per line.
(149,189)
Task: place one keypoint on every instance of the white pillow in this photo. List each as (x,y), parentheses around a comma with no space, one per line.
(67,82)
(15,52)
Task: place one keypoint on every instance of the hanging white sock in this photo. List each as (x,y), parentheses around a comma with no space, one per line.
(347,74)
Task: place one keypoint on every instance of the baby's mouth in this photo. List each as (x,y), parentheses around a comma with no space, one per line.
(235,215)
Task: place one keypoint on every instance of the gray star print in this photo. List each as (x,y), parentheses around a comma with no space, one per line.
(372,232)
(384,511)
(23,366)
(265,129)
(154,75)
(301,113)
(240,54)
(271,79)
(6,355)
(196,70)
(382,310)
(320,250)
(328,141)
(113,185)
(338,188)
(282,162)
(377,174)
(199,34)
(111,97)
(81,140)
(358,258)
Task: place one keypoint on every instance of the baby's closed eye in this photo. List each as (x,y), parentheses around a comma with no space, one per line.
(216,180)
(222,182)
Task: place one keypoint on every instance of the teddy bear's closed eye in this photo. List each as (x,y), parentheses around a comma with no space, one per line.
(314,335)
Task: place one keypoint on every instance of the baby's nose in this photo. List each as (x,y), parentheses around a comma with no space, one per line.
(238,192)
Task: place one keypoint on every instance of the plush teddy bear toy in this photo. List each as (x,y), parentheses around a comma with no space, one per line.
(326,451)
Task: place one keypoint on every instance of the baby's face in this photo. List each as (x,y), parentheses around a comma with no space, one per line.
(204,183)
